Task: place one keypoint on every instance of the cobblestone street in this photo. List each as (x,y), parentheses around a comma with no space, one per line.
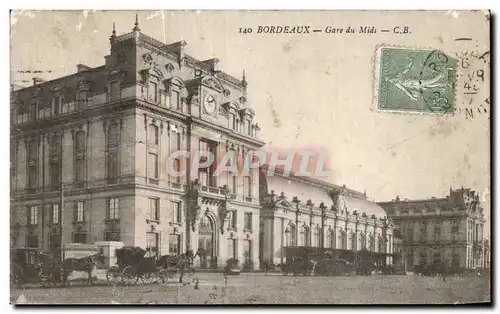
(275,289)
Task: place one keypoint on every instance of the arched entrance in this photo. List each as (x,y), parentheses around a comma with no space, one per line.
(206,241)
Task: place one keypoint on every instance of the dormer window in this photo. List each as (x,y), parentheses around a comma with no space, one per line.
(153,91)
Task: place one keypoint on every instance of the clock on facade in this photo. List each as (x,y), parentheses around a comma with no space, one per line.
(210,104)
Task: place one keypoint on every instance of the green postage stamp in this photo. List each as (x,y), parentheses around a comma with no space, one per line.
(414,81)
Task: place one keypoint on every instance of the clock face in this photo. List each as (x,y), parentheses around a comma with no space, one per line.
(210,104)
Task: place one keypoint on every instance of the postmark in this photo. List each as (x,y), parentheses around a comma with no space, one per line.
(414,81)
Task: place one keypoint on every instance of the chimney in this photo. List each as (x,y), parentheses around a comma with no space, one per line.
(37,80)
(81,68)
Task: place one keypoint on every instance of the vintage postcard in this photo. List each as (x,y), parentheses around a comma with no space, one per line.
(250,157)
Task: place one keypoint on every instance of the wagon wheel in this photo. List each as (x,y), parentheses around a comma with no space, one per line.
(129,276)
(163,276)
(113,276)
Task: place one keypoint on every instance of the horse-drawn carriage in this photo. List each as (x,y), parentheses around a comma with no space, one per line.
(31,265)
(132,265)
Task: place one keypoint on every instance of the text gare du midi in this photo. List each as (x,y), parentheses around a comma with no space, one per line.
(307,29)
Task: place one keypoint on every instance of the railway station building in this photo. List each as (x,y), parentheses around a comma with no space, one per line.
(106,134)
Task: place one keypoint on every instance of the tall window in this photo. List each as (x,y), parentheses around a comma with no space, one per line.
(153,165)
(232,121)
(153,134)
(436,258)
(380,244)
(79,214)
(330,240)
(33,111)
(423,257)
(248,127)
(177,168)
(113,148)
(55,214)
(32,165)
(115,90)
(423,232)
(176,212)
(81,100)
(371,242)
(341,243)
(174,100)
(317,237)
(437,231)
(113,209)
(233,219)
(33,215)
(174,244)
(247,186)
(205,175)
(153,209)
(152,91)
(410,232)
(248,221)
(304,236)
(80,156)
(352,241)
(231,183)
(290,236)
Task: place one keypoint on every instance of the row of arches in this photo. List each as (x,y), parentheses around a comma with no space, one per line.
(339,239)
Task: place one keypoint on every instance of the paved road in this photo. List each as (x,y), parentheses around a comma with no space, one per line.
(259,288)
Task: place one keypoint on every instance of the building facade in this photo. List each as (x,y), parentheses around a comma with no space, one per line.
(90,155)
(301,211)
(436,230)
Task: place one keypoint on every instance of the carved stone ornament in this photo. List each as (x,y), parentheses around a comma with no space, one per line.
(227,92)
(147,58)
(169,68)
(196,215)
(212,83)
(222,216)
(157,71)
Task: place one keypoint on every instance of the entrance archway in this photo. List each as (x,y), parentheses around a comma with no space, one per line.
(206,241)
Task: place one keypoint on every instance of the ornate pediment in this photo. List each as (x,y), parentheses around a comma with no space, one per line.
(212,83)
(282,203)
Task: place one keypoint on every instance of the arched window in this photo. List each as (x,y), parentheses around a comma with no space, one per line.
(352,241)
(290,235)
(317,237)
(113,133)
(330,239)
(304,236)
(379,244)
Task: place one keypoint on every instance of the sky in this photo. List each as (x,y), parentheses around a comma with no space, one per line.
(310,90)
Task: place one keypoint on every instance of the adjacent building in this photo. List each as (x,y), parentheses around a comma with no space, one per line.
(306,212)
(106,134)
(436,230)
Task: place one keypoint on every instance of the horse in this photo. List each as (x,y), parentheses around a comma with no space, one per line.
(86,264)
(180,261)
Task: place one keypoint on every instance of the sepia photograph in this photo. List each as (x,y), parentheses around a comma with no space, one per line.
(250,157)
